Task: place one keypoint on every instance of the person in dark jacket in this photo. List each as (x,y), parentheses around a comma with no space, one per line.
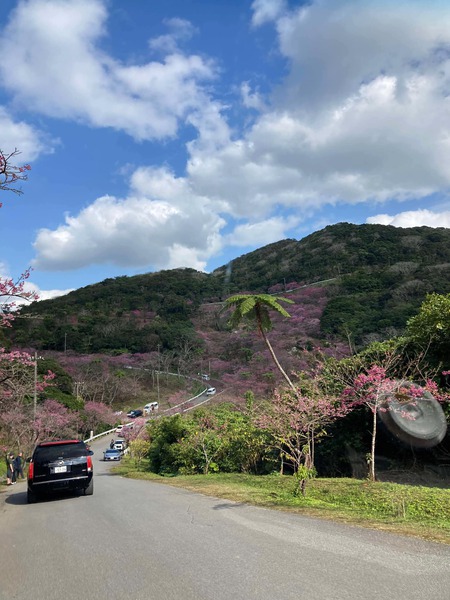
(10,469)
(18,466)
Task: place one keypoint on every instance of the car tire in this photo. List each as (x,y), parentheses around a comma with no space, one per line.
(31,497)
(90,489)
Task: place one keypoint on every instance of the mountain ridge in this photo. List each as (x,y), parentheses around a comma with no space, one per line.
(380,275)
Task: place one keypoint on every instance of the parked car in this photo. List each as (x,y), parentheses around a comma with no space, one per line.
(58,466)
(150,407)
(112,454)
(135,413)
(210,391)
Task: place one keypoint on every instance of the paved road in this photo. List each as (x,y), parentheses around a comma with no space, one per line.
(136,540)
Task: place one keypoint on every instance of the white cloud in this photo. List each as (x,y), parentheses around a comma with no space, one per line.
(363,114)
(413,218)
(251,99)
(49,294)
(180,30)
(42,294)
(17,134)
(265,11)
(161,224)
(56,45)
(260,233)
(334,47)
(182,256)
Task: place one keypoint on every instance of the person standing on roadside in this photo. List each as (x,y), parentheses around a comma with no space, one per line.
(10,469)
(18,466)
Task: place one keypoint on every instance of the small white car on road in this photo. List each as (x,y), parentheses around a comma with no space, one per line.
(119,445)
(210,391)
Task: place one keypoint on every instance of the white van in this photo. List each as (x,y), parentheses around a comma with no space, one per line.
(150,407)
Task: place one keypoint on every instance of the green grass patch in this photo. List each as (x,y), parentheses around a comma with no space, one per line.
(412,510)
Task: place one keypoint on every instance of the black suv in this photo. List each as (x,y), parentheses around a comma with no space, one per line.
(58,466)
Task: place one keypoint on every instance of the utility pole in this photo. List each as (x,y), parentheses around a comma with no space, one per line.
(157,373)
(35,386)
(157,383)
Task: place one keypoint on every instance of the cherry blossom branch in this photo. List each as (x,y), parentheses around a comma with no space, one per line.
(10,289)
(11,174)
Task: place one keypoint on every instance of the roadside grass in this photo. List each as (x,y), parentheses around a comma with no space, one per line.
(404,509)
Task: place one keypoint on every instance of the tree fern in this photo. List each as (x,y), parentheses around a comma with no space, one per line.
(255,308)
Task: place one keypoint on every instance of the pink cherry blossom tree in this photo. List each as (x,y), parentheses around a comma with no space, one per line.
(17,426)
(18,381)
(11,174)
(19,389)
(134,431)
(53,421)
(374,389)
(11,290)
(97,415)
(296,420)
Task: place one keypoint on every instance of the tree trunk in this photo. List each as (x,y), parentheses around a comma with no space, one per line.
(275,359)
(372,451)
(303,487)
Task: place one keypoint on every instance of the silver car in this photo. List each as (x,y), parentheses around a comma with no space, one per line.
(112,454)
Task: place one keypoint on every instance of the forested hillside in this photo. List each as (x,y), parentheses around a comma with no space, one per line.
(375,278)
(336,250)
(131,314)
(161,336)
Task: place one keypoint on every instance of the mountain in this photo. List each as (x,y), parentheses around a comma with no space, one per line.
(377,275)
(338,250)
(374,278)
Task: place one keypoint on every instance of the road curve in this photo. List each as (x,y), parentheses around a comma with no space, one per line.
(138,540)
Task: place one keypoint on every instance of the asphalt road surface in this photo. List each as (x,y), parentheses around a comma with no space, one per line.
(138,540)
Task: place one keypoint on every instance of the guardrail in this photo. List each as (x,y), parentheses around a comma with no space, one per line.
(94,437)
(167,410)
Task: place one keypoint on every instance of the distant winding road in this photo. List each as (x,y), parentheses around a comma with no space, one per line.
(138,540)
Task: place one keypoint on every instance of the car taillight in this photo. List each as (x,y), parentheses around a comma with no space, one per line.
(31,471)
(89,463)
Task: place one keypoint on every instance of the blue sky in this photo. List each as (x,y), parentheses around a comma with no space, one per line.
(185,133)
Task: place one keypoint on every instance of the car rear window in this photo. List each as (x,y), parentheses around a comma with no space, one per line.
(59,451)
